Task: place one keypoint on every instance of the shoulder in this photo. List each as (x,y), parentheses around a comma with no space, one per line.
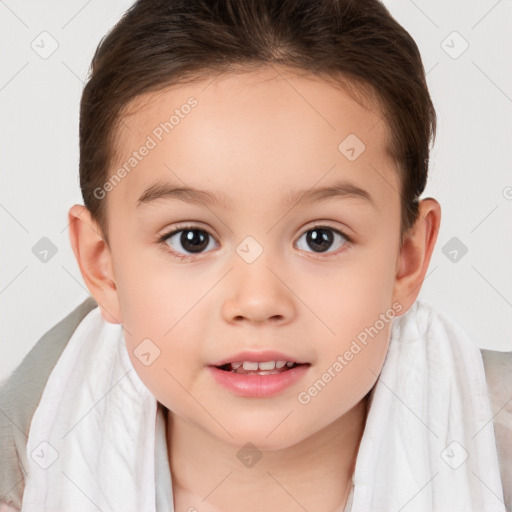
(498,373)
(19,397)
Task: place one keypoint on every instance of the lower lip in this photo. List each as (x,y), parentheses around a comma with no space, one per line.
(258,386)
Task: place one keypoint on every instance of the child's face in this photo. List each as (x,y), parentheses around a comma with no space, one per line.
(255,140)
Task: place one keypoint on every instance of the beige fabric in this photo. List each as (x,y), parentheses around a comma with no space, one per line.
(498,372)
(20,395)
(7,508)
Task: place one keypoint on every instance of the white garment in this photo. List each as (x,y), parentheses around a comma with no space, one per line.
(99,418)
(92,438)
(429,411)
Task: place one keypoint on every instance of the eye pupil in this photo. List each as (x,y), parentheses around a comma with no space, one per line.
(193,240)
(319,238)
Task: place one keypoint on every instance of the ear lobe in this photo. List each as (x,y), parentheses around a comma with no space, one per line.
(95,261)
(415,253)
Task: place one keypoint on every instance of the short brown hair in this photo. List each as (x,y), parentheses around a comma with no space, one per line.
(160,43)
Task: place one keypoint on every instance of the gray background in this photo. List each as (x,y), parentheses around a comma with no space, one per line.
(470,168)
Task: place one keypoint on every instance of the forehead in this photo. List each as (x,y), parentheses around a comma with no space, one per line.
(237,134)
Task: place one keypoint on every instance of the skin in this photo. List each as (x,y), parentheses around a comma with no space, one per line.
(255,137)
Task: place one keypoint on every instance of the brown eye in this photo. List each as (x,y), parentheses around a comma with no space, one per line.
(188,241)
(321,238)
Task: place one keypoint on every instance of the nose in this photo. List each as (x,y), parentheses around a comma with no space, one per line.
(257,293)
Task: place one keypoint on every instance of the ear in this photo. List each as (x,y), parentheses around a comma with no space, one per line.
(95,261)
(415,253)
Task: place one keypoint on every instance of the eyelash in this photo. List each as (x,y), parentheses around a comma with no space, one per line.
(189,227)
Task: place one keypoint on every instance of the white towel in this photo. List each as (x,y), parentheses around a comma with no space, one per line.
(91,444)
(428,444)
(429,439)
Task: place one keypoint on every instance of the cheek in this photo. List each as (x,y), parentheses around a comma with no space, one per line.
(357,308)
(160,336)
(344,381)
(352,294)
(166,363)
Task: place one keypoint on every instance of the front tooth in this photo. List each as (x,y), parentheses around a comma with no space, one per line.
(250,365)
(267,365)
(280,364)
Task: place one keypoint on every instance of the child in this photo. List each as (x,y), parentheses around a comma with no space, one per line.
(254,244)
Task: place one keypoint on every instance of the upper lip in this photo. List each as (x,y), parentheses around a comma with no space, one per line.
(257,356)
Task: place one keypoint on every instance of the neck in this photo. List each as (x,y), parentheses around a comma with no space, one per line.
(207,475)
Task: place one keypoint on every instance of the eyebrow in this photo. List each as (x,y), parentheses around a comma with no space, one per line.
(168,191)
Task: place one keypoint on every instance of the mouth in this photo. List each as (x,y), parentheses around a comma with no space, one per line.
(253,379)
(261,368)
